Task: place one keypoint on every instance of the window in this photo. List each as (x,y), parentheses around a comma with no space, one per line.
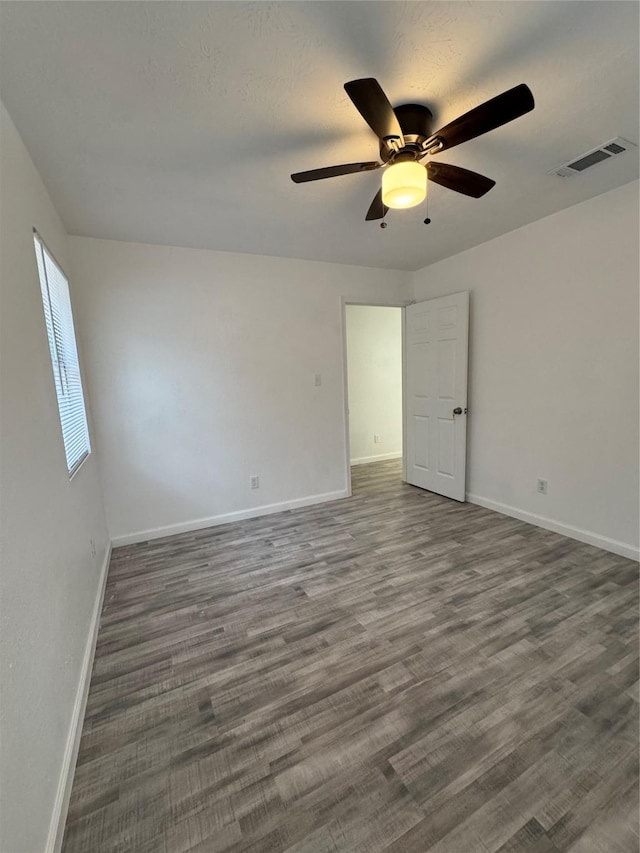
(64,357)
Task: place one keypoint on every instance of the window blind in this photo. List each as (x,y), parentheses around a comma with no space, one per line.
(64,356)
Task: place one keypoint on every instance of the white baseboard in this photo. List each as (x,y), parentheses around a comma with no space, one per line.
(225,518)
(613,545)
(364,460)
(61,805)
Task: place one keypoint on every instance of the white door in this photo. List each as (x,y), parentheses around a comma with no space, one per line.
(436,339)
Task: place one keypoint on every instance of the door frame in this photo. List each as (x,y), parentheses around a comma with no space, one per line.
(374,303)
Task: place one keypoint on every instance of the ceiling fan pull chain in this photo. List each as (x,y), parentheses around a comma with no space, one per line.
(427,221)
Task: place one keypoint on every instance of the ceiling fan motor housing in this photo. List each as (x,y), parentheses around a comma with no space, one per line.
(416,122)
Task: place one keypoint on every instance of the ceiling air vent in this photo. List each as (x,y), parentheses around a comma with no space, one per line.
(592,158)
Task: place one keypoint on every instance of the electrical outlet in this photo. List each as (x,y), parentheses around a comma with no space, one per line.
(376,439)
(543,486)
(317,379)
(254,482)
(92,546)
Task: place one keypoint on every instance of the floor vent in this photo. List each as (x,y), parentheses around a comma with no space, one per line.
(592,158)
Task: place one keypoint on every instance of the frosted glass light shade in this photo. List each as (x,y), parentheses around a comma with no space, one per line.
(404,184)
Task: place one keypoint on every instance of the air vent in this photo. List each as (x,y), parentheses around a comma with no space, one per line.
(592,158)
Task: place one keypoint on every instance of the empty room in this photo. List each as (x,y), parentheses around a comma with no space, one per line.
(319,423)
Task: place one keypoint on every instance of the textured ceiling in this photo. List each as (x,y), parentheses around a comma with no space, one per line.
(180,122)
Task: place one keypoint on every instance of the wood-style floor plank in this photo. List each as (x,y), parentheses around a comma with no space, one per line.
(391,672)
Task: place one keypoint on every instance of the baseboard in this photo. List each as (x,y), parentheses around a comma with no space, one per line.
(613,545)
(364,460)
(61,805)
(225,518)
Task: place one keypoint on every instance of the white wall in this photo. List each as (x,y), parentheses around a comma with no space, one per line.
(201,366)
(374,356)
(554,366)
(49,578)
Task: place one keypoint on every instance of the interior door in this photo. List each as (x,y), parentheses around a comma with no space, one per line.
(436,343)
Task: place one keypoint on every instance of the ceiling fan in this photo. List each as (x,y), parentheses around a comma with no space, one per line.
(406,138)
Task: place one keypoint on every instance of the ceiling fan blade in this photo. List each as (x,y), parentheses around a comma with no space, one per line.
(333,171)
(374,107)
(377,210)
(494,113)
(458,179)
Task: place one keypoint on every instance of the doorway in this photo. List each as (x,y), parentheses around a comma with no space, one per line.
(373,335)
(406,373)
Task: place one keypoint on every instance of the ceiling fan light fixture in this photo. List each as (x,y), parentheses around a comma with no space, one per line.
(404,185)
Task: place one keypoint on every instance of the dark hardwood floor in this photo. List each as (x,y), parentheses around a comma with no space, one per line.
(392,672)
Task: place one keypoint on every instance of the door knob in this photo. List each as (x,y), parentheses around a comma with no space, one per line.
(458,411)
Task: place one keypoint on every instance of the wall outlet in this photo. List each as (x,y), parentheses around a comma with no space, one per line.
(254,482)
(92,547)
(376,439)
(542,487)
(317,379)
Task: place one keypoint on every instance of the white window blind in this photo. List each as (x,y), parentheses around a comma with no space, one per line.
(64,357)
